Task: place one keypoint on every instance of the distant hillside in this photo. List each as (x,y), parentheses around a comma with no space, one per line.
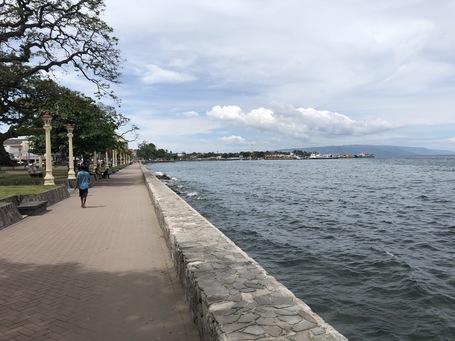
(377,150)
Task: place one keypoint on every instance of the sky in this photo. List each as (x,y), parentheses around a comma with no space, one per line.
(243,75)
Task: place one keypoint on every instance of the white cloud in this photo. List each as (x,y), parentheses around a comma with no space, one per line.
(299,123)
(162,127)
(233,139)
(155,75)
(229,113)
(369,68)
(191,114)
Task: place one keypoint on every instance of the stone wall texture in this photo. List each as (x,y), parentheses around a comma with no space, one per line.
(52,196)
(9,213)
(230,295)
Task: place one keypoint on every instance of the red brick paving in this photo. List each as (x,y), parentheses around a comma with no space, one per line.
(99,273)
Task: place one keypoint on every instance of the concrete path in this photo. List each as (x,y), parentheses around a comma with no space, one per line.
(96,273)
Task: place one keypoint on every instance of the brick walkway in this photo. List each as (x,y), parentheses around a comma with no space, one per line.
(99,273)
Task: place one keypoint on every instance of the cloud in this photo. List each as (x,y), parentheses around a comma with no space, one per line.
(165,128)
(299,123)
(233,140)
(417,76)
(191,114)
(354,71)
(156,75)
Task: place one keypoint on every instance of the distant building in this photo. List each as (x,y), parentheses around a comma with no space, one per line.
(19,149)
(277,156)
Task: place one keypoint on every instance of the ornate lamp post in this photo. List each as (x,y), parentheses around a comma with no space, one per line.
(49,178)
(71,174)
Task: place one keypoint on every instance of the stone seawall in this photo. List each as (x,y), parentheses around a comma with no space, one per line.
(230,295)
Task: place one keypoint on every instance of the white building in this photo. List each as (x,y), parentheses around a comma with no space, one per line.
(19,149)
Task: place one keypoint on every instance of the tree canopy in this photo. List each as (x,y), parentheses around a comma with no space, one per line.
(38,37)
(94,124)
(148,151)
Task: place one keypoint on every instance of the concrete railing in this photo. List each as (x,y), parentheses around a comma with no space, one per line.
(231,296)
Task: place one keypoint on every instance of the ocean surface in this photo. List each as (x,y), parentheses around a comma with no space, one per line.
(368,244)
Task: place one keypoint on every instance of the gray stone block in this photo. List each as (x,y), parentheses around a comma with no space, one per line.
(33,207)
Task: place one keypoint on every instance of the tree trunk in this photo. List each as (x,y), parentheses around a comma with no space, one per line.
(5,160)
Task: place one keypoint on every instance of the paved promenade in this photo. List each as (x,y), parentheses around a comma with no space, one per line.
(96,273)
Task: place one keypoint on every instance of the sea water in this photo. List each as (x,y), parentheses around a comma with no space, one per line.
(368,244)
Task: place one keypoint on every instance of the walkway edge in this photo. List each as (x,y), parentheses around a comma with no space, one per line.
(230,295)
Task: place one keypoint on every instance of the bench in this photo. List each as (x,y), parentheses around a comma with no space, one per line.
(95,175)
(32,207)
(106,174)
(36,174)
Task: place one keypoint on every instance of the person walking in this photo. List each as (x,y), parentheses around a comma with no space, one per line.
(82,183)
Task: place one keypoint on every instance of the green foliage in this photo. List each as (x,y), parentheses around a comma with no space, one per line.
(148,151)
(38,36)
(94,124)
(301,153)
(6,191)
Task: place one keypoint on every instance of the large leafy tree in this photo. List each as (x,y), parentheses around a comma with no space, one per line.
(39,36)
(21,106)
(146,150)
(95,124)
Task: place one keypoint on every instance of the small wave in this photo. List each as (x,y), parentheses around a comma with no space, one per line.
(424,246)
(192,194)
(389,253)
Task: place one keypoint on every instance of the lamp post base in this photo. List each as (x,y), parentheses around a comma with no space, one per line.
(71,175)
(49,180)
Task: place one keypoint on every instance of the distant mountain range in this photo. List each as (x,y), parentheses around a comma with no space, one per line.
(377,150)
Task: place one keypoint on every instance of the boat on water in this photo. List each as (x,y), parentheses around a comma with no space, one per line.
(364,155)
(322,156)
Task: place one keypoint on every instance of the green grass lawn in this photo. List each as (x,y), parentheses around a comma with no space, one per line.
(20,174)
(6,191)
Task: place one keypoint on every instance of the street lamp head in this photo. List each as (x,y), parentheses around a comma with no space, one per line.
(70,128)
(47,118)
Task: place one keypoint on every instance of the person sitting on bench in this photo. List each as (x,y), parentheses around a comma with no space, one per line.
(106,174)
(31,168)
(97,172)
(34,173)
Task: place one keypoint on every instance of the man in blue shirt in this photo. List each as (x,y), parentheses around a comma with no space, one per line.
(82,183)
